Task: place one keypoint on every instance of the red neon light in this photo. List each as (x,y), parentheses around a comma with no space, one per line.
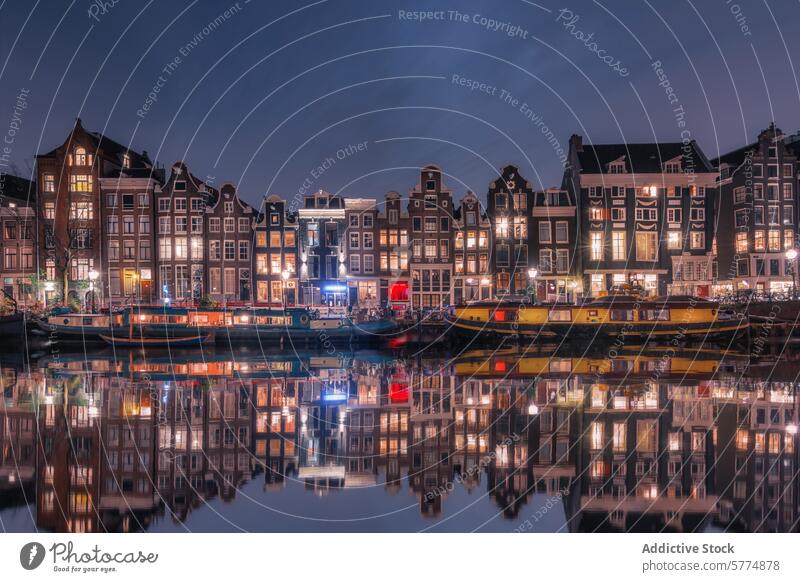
(398,393)
(398,291)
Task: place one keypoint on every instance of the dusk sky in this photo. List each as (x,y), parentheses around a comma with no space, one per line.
(273,89)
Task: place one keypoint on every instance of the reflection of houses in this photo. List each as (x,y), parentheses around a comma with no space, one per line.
(430,449)
(756,473)
(17,435)
(128,494)
(68,464)
(362,421)
(276,413)
(392,429)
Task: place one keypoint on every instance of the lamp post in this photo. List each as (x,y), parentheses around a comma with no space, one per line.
(532,274)
(284,277)
(93,275)
(49,287)
(791,255)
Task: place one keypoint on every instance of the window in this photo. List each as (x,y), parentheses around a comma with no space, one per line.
(180,205)
(595,192)
(355,240)
(369,264)
(354,221)
(596,246)
(774,241)
(674,215)
(113,250)
(369,242)
(127,225)
(197,224)
(163,204)
(788,215)
(144,250)
(788,240)
(289,238)
(444,224)
(618,245)
(244,224)
(129,249)
(674,240)
(196,204)
(544,232)
(165,248)
(180,224)
(229,224)
(355,263)
(739,195)
(698,214)
(49,181)
(742,243)
(81,211)
(430,224)
(244,250)
(444,248)
(213,225)
(80,157)
(144,224)
(197,248)
(113,224)
(180,186)
(760,240)
(80,183)
(618,214)
(545,260)
(616,168)
(181,247)
(773,216)
(50,210)
(214,250)
(649,214)
(596,213)
(698,240)
(562,233)
(127,201)
(230,250)
(646,246)
(562,260)
(164,225)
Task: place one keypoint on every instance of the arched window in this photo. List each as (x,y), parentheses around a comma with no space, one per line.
(80,157)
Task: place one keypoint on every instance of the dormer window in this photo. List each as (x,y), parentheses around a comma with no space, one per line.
(180,186)
(126,161)
(616,167)
(80,157)
(430,185)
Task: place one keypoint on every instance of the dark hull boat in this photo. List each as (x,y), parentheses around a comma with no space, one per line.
(156,342)
(13,326)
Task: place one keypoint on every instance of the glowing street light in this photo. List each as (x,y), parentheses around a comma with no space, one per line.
(791,255)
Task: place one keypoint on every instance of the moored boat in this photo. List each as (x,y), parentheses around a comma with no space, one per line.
(622,317)
(80,328)
(157,342)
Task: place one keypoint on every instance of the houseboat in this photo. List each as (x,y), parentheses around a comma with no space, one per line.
(623,317)
(249,324)
(80,328)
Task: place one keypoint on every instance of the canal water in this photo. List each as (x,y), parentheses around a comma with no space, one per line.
(500,440)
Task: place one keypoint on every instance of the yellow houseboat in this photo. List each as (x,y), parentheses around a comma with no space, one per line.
(625,317)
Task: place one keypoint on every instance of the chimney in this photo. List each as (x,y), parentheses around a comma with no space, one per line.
(576,141)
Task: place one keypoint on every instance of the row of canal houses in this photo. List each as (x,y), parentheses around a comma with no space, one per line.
(112,226)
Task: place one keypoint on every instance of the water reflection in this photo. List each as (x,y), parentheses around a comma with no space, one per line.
(486,440)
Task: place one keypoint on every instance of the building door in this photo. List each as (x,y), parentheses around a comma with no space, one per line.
(146,289)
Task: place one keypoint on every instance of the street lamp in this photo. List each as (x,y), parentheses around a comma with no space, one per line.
(791,255)
(285,277)
(49,287)
(532,274)
(93,275)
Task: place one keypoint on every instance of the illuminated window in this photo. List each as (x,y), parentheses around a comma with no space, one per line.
(674,239)
(618,245)
(80,183)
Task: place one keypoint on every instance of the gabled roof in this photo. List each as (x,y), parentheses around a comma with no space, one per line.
(640,158)
(110,147)
(736,157)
